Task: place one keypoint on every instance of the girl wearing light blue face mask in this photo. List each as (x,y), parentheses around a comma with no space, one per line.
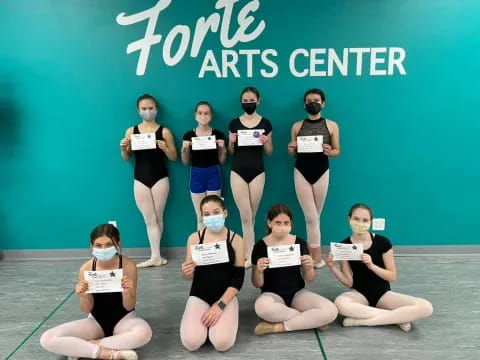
(151,185)
(112,324)
(212,307)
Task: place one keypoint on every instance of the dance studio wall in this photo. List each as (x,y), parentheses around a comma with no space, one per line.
(399,77)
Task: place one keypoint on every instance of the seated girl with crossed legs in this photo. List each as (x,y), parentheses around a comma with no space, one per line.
(112,329)
(371,302)
(285,304)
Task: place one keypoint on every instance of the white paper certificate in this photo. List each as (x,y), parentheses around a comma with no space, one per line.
(283,255)
(204,142)
(104,281)
(143,141)
(250,137)
(346,251)
(310,144)
(211,253)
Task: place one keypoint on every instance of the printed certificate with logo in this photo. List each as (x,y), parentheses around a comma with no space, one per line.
(104,281)
(310,144)
(211,253)
(283,255)
(143,141)
(204,142)
(250,137)
(346,251)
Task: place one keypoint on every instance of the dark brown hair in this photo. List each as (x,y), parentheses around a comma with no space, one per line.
(107,230)
(360,206)
(214,198)
(147,96)
(252,90)
(200,103)
(314,91)
(276,210)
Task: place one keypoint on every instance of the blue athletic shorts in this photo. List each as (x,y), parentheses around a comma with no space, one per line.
(205,179)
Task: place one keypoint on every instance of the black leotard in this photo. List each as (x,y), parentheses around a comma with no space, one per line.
(204,158)
(313,165)
(108,308)
(150,164)
(284,281)
(365,281)
(248,160)
(211,281)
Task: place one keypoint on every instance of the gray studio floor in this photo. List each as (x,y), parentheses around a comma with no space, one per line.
(31,290)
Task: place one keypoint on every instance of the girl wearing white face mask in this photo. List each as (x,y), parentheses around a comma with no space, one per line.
(285,304)
(151,185)
(371,302)
(212,307)
(112,329)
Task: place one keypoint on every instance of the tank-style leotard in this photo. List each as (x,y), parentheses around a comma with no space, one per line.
(313,165)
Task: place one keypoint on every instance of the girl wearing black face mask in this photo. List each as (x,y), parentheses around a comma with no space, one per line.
(247,177)
(311,172)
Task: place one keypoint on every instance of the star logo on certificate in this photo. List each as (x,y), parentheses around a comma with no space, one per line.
(112,274)
(354,247)
(291,248)
(217,246)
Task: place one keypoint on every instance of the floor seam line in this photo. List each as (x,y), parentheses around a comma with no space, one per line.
(39,325)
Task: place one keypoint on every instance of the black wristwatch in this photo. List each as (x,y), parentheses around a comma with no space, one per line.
(221,305)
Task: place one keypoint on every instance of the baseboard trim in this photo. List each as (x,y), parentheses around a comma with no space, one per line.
(179,252)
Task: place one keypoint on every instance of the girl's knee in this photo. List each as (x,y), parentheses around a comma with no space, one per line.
(150,220)
(246,219)
(312,220)
(192,337)
(192,342)
(332,310)
(143,334)
(261,306)
(426,308)
(341,303)
(222,342)
(47,339)
(327,312)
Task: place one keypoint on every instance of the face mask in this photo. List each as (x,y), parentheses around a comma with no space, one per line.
(148,115)
(104,254)
(358,227)
(281,229)
(249,108)
(202,120)
(313,108)
(214,223)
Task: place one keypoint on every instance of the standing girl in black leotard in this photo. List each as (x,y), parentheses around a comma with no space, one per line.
(112,326)
(212,307)
(205,177)
(247,177)
(371,302)
(285,304)
(151,185)
(311,172)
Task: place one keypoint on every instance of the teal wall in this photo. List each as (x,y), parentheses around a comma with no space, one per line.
(68,91)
